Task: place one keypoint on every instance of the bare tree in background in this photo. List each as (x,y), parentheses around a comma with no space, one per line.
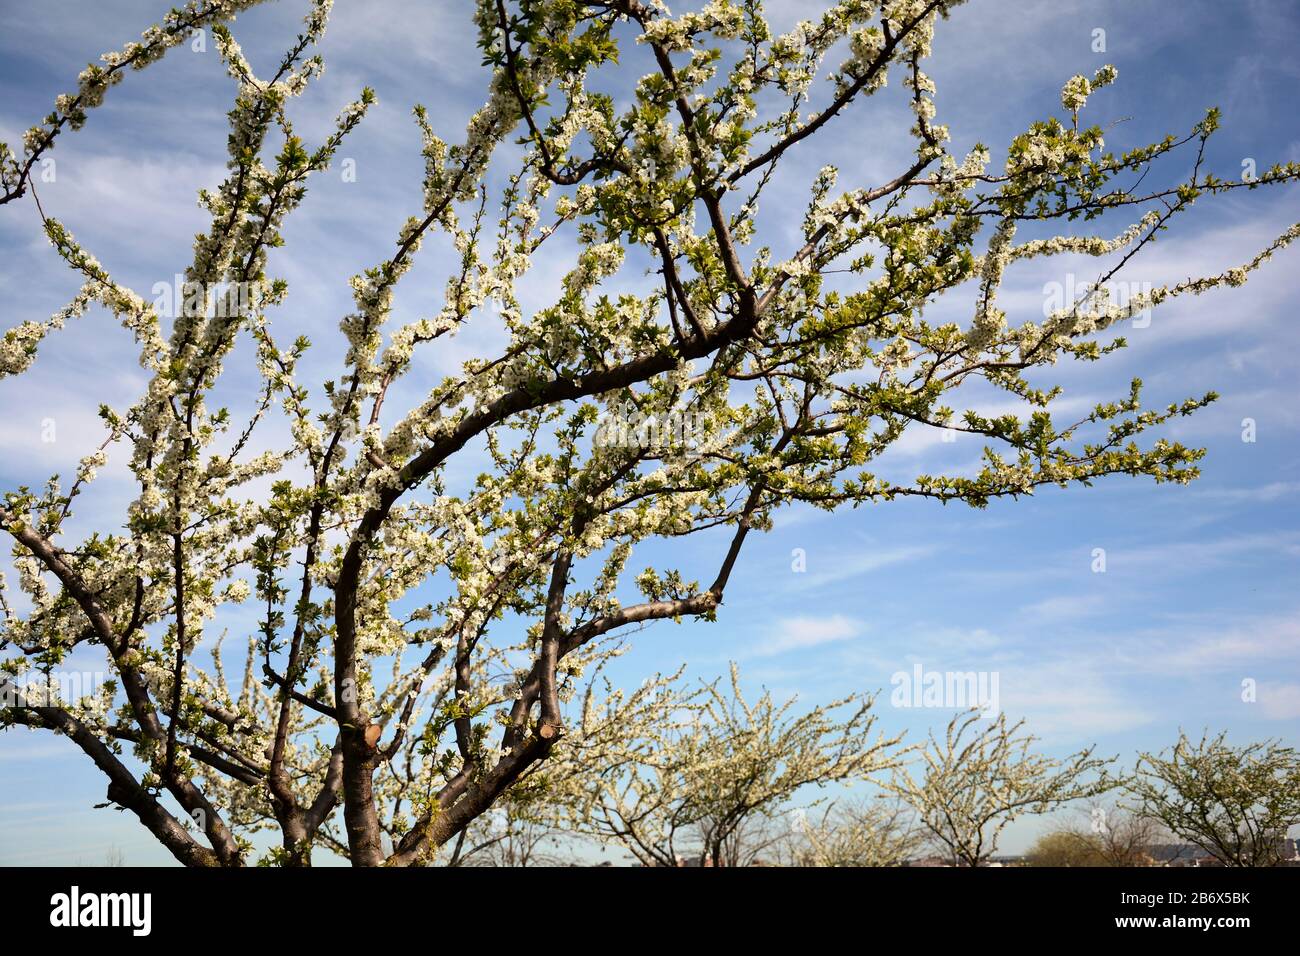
(869,832)
(1105,835)
(519,831)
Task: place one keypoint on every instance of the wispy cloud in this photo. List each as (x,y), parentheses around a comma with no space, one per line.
(1279,701)
(1273,491)
(826,568)
(802,633)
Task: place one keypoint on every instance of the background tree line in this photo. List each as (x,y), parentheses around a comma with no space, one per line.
(719,780)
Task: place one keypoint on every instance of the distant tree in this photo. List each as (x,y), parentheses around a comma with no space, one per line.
(521,830)
(1108,835)
(697,366)
(854,833)
(533,822)
(1064,847)
(1121,837)
(756,841)
(1235,803)
(702,786)
(982,776)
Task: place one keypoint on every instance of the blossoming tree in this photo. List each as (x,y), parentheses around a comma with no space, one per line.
(1235,803)
(980,778)
(712,770)
(370,719)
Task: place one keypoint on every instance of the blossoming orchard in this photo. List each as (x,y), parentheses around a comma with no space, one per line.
(430,644)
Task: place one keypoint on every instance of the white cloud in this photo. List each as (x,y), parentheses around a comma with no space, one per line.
(1061,609)
(1279,701)
(801,633)
(1272,491)
(1252,641)
(1072,698)
(825,569)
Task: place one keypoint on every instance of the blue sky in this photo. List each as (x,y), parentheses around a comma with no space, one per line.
(1199,591)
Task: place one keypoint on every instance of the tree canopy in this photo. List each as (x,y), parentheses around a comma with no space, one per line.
(421,638)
